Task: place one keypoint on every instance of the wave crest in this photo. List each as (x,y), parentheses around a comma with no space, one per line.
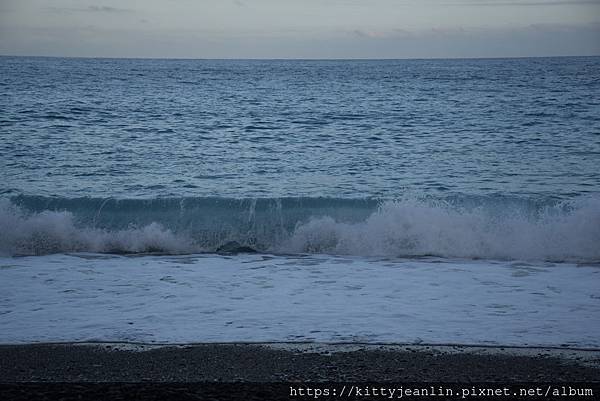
(403,228)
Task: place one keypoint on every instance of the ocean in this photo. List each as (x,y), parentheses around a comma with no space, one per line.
(375,201)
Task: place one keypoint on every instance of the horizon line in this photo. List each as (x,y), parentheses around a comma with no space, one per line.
(301,58)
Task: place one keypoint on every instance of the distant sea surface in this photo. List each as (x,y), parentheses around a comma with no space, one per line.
(482,175)
(336,129)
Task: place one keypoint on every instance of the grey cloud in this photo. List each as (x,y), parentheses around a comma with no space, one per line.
(90,9)
(107,9)
(528,3)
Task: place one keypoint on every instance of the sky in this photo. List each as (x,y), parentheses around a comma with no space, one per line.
(300,28)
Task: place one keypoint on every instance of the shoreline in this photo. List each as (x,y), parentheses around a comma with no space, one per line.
(283,362)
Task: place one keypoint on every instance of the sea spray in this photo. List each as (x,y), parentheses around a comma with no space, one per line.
(412,228)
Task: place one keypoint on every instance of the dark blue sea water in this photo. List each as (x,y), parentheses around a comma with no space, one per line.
(468,158)
(438,201)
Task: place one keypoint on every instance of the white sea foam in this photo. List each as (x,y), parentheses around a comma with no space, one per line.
(212,298)
(56,232)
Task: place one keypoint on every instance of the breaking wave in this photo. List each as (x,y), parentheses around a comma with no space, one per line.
(458,227)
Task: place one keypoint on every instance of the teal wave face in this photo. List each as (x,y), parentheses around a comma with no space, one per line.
(465,227)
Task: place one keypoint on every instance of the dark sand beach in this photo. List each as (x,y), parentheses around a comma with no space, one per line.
(277,363)
(91,371)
